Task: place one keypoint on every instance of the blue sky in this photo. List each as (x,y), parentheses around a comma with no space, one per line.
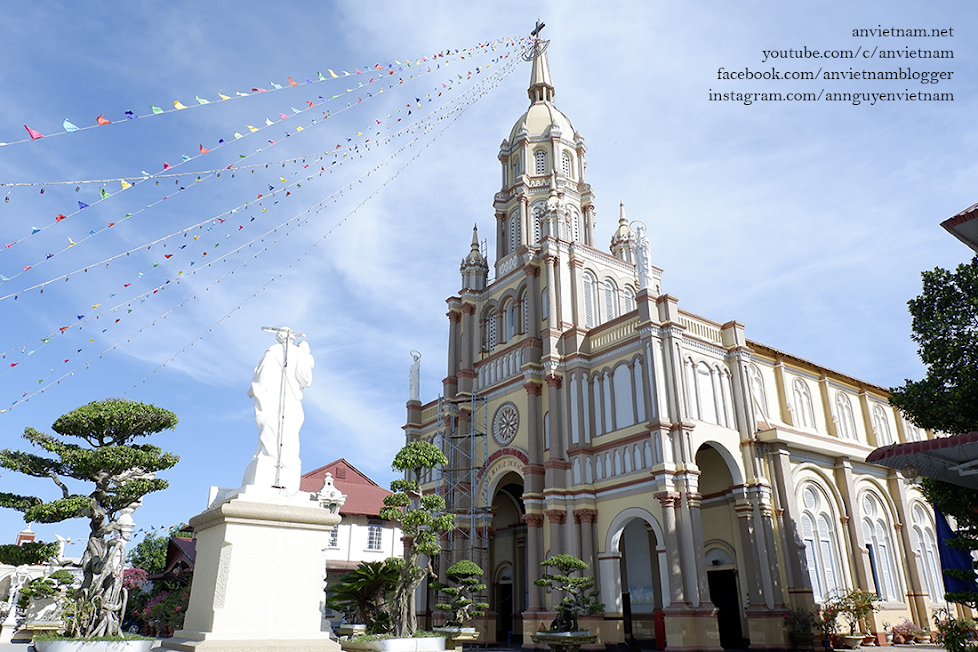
(808,222)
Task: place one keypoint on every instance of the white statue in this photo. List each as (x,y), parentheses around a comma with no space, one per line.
(643,258)
(284,371)
(414,377)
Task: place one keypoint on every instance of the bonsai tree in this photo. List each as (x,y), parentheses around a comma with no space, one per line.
(96,446)
(466,575)
(361,594)
(581,598)
(422,519)
(854,606)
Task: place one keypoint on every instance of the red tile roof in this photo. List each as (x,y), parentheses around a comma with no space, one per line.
(934,458)
(363,495)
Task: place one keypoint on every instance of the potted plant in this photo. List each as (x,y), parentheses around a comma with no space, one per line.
(955,634)
(97,445)
(855,606)
(581,600)
(907,630)
(466,575)
(804,626)
(361,596)
(422,519)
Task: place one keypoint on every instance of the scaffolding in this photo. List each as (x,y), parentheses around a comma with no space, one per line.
(464,437)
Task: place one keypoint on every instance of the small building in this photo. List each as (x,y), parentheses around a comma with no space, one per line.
(362,535)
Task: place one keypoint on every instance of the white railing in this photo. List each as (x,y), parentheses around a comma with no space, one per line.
(701,329)
(607,338)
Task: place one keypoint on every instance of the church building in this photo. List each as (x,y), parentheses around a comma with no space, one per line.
(710,482)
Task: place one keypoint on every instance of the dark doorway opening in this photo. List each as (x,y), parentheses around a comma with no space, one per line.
(725,597)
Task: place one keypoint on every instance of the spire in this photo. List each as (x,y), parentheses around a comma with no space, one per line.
(474,268)
(541,88)
(623,241)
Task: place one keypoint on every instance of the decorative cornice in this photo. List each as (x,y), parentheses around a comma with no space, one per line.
(468,308)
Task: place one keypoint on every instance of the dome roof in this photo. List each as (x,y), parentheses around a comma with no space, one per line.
(539,120)
(542,116)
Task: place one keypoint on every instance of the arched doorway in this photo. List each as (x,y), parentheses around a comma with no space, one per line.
(719,534)
(507,555)
(632,582)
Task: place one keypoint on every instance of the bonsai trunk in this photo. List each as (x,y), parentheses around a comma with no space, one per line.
(100,603)
(411,577)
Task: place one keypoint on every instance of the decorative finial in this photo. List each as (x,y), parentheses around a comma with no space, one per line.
(475,237)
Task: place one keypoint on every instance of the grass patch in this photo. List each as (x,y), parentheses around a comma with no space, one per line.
(366,638)
(62,637)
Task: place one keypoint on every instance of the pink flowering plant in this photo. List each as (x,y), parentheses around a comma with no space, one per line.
(134,578)
(167,609)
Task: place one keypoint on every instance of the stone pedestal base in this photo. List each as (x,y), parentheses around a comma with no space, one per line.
(259,576)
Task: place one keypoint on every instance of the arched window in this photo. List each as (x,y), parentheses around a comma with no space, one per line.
(509,315)
(610,300)
(536,214)
(629,298)
(590,300)
(540,161)
(566,166)
(804,414)
(491,330)
(621,381)
(756,382)
(926,549)
(881,426)
(877,539)
(847,424)
(913,432)
(517,168)
(704,391)
(818,534)
(514,231)
(575,218)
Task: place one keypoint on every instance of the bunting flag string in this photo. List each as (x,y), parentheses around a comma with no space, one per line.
(377,69)
(129,182)
(345,150)
(454,115)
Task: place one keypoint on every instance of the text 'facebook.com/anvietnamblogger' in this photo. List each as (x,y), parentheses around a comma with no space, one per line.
(919,57)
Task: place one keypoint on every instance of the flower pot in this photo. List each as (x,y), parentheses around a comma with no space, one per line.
(564,641)
(852,642)
(82,645)
(921,638)
(429,644)
(455,637)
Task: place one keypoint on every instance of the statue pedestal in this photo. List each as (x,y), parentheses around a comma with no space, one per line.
(259,576)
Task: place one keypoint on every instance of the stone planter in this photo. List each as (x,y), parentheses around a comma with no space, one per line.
(921,638)
(564,641)
(351,629)
(852,642)
(456,637)
(82,645)
(429,644)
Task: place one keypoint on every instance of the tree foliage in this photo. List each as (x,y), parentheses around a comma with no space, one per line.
(122,473)
(945,327)
(149,554)
(361,594)
(467,577)
(581,598)
(422,519)
(32,552)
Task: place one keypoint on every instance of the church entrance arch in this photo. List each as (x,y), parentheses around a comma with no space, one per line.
(720,534)
(507,557)
(633,582)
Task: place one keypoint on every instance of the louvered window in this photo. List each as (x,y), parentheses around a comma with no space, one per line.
(540,159)
(491,331)
(514,231)
(565,165)
(610,300)
(589,302)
